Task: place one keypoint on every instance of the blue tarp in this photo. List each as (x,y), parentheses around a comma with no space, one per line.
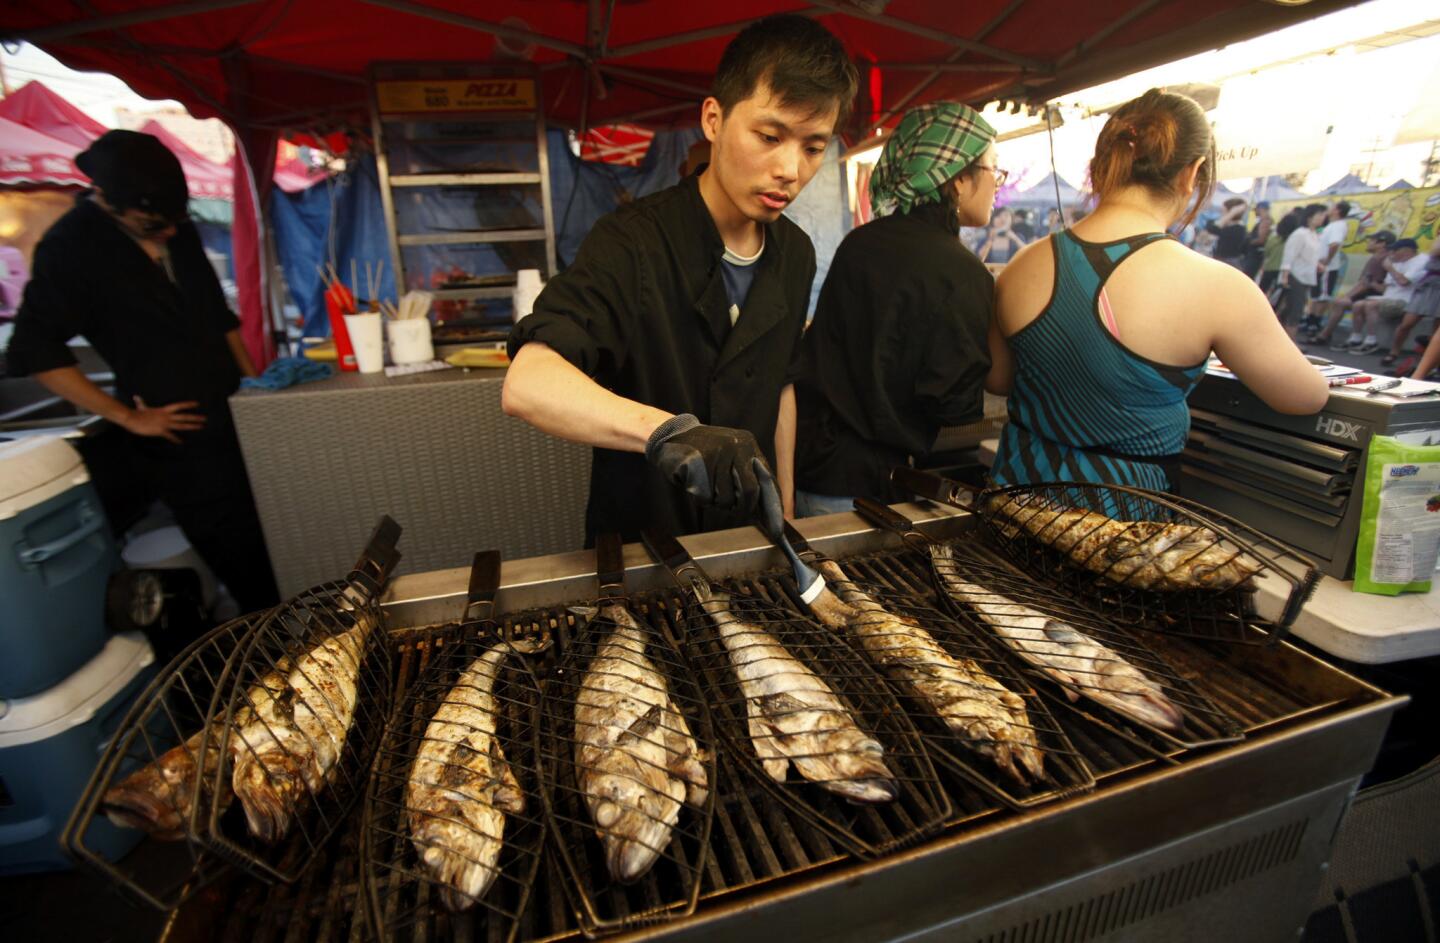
(344,212)
(347,210)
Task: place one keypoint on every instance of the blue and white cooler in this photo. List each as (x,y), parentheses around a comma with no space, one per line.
(56,557)
(50,744)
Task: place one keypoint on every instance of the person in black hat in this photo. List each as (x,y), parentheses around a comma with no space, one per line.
(125,269)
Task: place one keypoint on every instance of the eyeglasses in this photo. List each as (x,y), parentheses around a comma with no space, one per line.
(1000,175)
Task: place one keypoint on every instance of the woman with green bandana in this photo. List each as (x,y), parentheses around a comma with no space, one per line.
(898,345)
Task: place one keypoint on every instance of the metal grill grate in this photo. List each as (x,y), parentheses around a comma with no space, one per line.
(307,708)
(453,825)
(802,713)
(758,844)
(1148,559)
(155,765)
(628,755)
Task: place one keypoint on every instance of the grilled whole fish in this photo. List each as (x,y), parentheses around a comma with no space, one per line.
(1080,663)
(990,718)
(461,787)
(635,759)
(156,797)
(1140,554)
(794,716)
(297,731)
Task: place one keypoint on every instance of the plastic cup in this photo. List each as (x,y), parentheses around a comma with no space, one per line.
(366,338)
(410,341)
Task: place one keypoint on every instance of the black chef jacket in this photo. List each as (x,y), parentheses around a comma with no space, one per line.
(640,311)
(898,348)
(164,341)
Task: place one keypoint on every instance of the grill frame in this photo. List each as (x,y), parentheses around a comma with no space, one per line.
(1312,731)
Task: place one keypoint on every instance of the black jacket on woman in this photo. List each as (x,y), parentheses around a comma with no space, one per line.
(897,350)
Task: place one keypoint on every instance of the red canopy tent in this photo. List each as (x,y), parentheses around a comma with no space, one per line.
(268,66)
(29,158)
(36,106)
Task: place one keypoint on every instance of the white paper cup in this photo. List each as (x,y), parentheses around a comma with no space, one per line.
(410,341)
(365,338)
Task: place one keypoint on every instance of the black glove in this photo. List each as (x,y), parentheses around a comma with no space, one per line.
(712,463)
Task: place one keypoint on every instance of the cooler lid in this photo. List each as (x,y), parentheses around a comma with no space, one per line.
(75,700)
(35,469)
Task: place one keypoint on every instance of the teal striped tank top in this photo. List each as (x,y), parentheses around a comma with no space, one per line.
(1083,406)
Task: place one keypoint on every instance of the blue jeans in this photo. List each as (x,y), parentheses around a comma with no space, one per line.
(808,504)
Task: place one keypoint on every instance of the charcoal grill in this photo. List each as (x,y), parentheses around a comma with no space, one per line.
(1224,841)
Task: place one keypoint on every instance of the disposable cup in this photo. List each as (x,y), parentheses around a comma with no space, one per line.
(365,337)
(410,341)
(527,289)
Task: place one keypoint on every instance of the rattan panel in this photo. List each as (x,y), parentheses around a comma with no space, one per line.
(433,451)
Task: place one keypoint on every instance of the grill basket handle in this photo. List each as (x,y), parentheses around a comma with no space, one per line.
(610,565)
(378,559)
(935,487)
(484,583)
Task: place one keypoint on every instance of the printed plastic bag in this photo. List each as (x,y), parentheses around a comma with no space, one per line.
(1400,525)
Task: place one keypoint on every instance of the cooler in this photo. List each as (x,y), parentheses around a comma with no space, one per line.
(56,556)
(49,745)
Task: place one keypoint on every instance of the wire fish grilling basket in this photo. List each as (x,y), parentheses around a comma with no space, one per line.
(152,773)
(628,756)
(1148,558)
(1000,735)
(303,716)
(803,715)
(1084,660)
(453,827)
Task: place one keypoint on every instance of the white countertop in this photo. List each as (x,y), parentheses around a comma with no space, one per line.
(1361,627)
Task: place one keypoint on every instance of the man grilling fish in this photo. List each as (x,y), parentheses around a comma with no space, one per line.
(670,343)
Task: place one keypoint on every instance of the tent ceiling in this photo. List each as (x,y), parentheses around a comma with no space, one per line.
(301,64)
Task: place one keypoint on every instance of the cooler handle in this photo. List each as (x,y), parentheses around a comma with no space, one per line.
(88,521)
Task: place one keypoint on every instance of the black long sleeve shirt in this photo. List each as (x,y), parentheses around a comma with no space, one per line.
(164,339)
(639,311)
(898,348)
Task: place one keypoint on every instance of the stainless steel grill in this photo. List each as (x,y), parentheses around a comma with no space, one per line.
(1167,828)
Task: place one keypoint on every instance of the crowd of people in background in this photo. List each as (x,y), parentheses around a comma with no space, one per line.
(1299,263)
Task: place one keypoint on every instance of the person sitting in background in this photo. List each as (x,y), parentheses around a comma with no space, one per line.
(1101,331)
(1300,265)
(1229,233)
(1424,293)
(1370,284)
(1255,242)
(1403,267)
(1426,303)
(1001,242)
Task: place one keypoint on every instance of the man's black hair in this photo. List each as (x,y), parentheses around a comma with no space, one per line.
(801,61)
(1344,208)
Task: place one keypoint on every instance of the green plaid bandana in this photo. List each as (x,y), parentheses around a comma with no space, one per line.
(933,143)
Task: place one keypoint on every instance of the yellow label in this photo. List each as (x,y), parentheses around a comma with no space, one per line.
(492,94)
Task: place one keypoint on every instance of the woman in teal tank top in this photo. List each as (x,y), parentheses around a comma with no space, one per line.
(1101,331)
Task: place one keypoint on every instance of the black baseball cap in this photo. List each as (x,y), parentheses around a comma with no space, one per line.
(1399,244)
(136,171)
(1382,235)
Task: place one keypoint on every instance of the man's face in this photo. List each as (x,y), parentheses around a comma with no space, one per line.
(763,153)
(147,225)
(1402,255)
(1378,246)
(1333,214)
